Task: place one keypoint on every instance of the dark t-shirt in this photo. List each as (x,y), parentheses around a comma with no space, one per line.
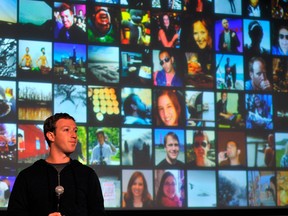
(165,165)
(74,33)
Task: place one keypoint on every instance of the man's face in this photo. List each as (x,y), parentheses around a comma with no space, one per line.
(67,18)
(225,24)
(65,135)
(100,138)
(224,97)
(232,151)
(283,39)
(141,107)
(254,3)
(201,146)
(258,74)
(172,148)
(166,61)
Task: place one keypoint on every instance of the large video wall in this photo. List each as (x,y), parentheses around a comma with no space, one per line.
(191,96)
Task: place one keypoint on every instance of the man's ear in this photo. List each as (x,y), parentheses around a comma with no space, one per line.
(172,59)
(50,135)
(239,151)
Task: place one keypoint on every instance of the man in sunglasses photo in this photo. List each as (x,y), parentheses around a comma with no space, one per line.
(281,42)
(201,149)
(168,75)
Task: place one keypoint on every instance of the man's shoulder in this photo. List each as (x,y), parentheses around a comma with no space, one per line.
(165,164)
(161,72)
(134,120)
(219,102)
(106,145)
(83,172)
(248,85)
(77,32)
(264,51)
(180,162)
(162,163)
(78,165)
(36,167)
(96,145)
(76,28)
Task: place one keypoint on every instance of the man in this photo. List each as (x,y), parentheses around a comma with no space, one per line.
(42,62)
(230,74)
(257,8)
(228,40)
(269,152)
(135,111)
(258,77)
(230,157)
(253,8)
(57,185)
(103,150)
(172,148)
(201,146)
(256,33)
(27,59)
(70,32)
(167,76)
(223,115)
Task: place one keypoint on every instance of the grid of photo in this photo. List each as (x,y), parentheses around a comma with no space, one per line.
(188,96)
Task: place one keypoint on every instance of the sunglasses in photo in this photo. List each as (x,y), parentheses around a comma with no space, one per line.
(198,144)
(167,59)
(281,36)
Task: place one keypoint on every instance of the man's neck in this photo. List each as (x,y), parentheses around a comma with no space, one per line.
(171,161)
(57,159)
(170,73)
(234,161)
